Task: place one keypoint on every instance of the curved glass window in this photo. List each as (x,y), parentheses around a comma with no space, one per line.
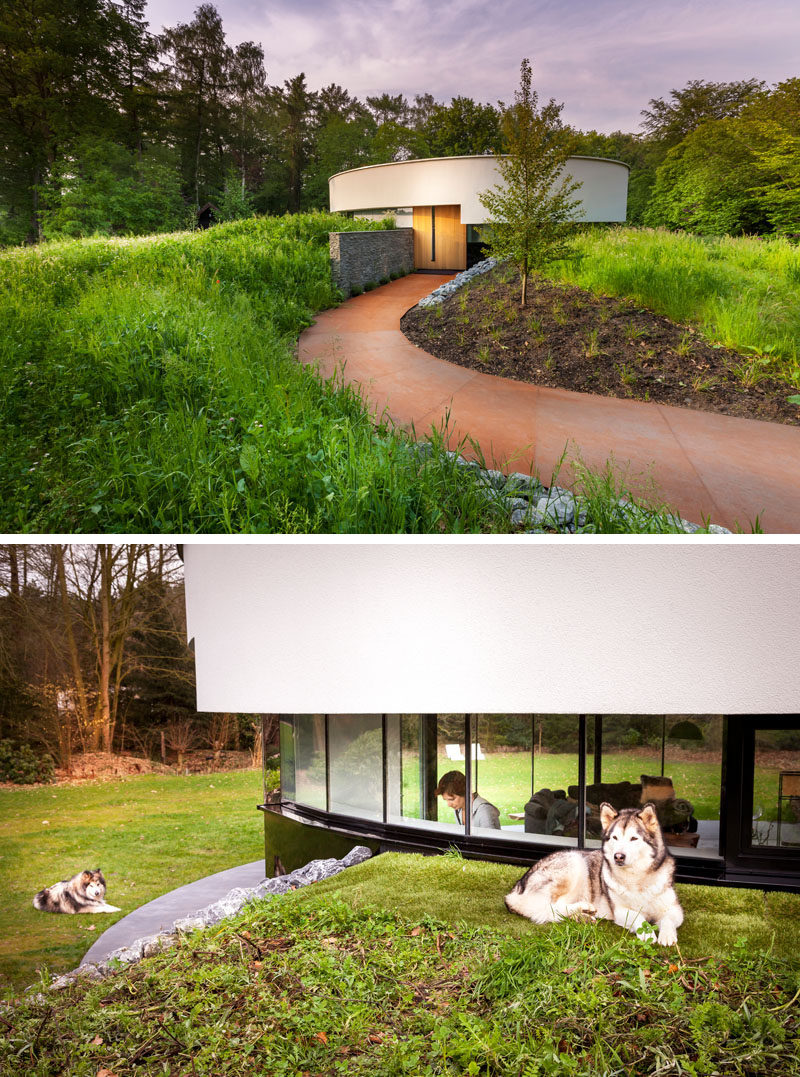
(537,778)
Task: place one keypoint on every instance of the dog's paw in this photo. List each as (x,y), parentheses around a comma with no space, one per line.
(668,935)
(583,911)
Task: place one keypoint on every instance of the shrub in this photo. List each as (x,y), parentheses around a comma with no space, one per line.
(356,290)
(22,766)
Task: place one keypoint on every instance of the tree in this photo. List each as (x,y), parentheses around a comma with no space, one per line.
(195,80)
(61,76)
(771,126)
(296,107)
(462,128)
(532,213)
(248,96)
(103,188)
(388,109)
(669,122)
(739,174)
(87,634)
(705,184)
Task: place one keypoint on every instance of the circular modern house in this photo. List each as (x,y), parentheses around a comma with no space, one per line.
(546,678)
(439,197)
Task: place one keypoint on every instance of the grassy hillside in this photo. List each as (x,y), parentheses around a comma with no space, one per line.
(147,385)
(411,965)
(742,292)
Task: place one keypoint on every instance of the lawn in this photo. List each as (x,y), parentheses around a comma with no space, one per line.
(411,965)
(149,834)
(149,385)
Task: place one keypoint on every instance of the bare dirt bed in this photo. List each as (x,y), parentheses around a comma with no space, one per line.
(104,766)
(568,338)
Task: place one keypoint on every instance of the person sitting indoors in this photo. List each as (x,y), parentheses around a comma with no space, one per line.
(452,788)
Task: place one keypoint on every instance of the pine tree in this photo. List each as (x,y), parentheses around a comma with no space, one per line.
(532,213)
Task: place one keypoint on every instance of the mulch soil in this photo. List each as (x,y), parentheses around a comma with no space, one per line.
(568,338)
(107,767)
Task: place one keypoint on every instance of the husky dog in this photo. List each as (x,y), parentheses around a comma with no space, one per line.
(84,892)
(628,880)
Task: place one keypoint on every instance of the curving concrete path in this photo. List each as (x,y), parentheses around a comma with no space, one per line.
(160,913)
(704,465)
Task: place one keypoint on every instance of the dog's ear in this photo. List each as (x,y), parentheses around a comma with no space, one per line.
(649,817)
(607,815)
(86,876)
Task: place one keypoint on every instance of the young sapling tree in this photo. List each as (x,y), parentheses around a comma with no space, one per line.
(533,211)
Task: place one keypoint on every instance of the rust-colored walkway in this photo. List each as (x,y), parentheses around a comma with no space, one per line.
(704,465)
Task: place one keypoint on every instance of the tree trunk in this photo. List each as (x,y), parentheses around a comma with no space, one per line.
(104,680)
(77,674)
(524,301)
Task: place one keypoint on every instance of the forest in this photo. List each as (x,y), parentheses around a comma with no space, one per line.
(107,128)
(94,659)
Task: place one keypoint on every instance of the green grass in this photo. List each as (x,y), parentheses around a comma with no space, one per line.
(740,292)
(460,892)
(434,977)
(149,835)
(148,385)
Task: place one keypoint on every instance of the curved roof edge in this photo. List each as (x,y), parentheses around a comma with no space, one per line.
(469,157)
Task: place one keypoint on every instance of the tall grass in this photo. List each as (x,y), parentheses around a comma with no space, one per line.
(148,385)
(741,292)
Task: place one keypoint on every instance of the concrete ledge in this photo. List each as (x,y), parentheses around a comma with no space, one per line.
(160,913)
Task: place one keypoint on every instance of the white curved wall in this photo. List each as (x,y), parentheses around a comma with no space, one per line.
(386,626)
(449,181)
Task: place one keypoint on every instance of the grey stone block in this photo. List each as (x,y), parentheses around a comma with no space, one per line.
(359,258)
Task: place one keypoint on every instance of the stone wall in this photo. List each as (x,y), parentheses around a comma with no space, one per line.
(359,258)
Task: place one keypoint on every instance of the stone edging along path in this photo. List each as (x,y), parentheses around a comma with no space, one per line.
(538,509)
(231,904)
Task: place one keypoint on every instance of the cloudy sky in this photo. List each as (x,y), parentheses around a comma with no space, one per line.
(604,59)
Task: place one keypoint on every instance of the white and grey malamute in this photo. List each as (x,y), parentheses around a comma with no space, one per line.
(628,880)
(84,892)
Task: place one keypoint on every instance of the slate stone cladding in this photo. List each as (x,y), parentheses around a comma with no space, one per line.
(359,258)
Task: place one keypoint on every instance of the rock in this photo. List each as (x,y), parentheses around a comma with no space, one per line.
(516,504)
(187,924)
(155,944)
(496,478)
(526,515)
(126,954)
(357,855)
(559,509)
(517,481)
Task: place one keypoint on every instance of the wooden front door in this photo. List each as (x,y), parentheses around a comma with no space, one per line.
(440,239)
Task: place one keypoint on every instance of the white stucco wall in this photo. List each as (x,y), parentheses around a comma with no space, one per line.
(380,625)
(445,181)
